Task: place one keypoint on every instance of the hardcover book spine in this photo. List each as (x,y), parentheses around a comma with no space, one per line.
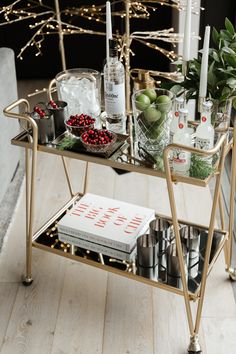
(97,248)
(97,239)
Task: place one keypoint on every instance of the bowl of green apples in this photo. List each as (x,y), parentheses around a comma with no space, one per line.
(152,116)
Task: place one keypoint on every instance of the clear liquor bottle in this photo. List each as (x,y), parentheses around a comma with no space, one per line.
(114,91)
(205,132)
(181,158)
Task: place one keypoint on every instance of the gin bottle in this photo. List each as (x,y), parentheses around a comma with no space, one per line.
(114,91)
(205,131)
(181,158)
(178,104)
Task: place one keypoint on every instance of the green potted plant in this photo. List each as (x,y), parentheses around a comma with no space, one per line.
(221,83)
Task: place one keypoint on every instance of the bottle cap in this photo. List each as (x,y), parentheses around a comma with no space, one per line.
(179,99)
(207,105)
(183,111)
(113,47)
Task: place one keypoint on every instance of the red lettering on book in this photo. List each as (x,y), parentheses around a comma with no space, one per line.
(113,210)
(120,220)
(75,213)
(92,214)
(101,223)
(133,224)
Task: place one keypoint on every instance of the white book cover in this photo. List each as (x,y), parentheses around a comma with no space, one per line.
(95,247)
(108,222)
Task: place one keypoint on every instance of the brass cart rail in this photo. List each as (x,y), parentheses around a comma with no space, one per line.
(222,147)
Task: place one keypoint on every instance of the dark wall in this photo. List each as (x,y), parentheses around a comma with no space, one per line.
(82,50)
(215,13)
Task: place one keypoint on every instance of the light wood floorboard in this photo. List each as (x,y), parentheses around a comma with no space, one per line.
(80,323)
(8,294)
(128,321)
(75,309)
(32,323)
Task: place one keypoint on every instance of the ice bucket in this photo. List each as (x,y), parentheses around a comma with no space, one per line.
(81,89)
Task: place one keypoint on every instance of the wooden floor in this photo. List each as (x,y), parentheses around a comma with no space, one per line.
(75,309)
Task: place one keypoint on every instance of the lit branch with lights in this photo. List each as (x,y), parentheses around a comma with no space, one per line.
(49,20)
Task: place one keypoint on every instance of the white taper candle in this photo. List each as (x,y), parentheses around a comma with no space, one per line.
(187,31)
(108,27)
(204,64)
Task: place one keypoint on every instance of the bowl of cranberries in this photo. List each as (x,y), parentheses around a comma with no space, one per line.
(79,123)
(98,140)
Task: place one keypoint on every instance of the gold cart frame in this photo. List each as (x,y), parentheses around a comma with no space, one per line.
(222,147)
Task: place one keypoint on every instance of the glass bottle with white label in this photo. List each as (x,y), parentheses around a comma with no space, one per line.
(114,91)
(205,132)
(181,158)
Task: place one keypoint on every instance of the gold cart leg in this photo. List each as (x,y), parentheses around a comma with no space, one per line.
(222,222)
(84,191)
(221,209)
(178,244)
(209,241)
(67,176)
(30,201)
(27,188)
(127,54)
(194,346)
(230,269)
(85,178)
(30,184)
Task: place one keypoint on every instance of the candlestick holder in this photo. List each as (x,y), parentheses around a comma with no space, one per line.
(200,103)
(185,68)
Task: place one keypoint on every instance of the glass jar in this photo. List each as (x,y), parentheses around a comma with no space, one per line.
(81,89)
(221,114)
(152,117)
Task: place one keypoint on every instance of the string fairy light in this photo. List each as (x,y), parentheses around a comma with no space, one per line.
(50,21)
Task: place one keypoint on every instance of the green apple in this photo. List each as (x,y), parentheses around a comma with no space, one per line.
(151,93)
(159,162)
(142,102)
(164,116)
(155,130)
(152,114)
(163,103)
(143,124)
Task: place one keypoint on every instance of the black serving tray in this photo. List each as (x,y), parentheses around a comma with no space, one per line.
(78,146)
(49,239)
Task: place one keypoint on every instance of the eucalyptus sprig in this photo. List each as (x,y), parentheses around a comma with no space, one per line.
(67,143)
(200,168)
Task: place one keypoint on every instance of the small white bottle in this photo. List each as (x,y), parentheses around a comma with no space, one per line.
(114,91)
(205,132)
(181,158)
(178,104)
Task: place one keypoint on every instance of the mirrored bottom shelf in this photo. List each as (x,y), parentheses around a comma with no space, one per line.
(159,276)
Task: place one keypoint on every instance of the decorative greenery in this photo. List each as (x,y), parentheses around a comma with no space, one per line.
(67,143)
(221,68)
(199,167)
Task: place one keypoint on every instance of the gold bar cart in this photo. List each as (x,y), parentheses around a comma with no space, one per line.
(28,139)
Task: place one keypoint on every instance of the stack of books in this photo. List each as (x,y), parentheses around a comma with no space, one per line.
(105,225)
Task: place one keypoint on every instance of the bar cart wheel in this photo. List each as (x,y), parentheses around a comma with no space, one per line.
(194,346)
(232,273)
(27,281)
